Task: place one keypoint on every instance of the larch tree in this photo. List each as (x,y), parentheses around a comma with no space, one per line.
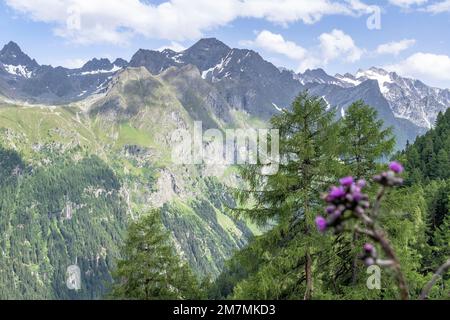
(150,269)
(363,140)
(290,197)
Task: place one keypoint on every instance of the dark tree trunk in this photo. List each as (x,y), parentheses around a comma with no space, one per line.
(308,273)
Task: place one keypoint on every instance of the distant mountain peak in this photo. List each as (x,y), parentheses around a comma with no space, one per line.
(12,55)
(103,65)
(317,76)
(379,70)
(97,64)
(409,99)
(316,70)
(168,51)
(207,43)
(372,71)
(122,63)
(11,47)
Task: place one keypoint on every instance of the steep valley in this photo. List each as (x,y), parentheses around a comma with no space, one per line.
(67,210)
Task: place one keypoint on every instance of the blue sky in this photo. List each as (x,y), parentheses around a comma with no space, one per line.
(412,37)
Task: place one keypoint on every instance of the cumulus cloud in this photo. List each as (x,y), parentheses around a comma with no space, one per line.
(116,21)
(175,46)
(440,7)
(73,63)
(407,3)
(276,43)
(432,68)
(335,45)
(395,47)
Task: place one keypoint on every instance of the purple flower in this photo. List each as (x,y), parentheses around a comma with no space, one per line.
(361,183)
(355,189)
(357,196)
(396,167)
(389,178)
(330,209)
(369,261)
(347,181)
(336,193)
(337,214)
(368,247)
(321,224)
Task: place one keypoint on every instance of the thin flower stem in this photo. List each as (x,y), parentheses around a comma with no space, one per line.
(377,206)
(442,269)
(387,248)
(366,232)
(379,236)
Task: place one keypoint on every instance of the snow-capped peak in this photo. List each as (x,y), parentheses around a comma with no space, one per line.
(409,99)
(383,77)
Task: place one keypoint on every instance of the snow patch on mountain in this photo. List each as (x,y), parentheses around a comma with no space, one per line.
(218,69)
(409,99)
(326,101)
(381,76)
(114,69)
(206,72)
(177,58)
(20,70)
(349,79)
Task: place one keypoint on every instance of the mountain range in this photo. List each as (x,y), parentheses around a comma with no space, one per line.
(56,124)
(241,77)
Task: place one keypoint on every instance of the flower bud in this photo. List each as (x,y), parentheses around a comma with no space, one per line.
(396,167)
(369,261)
(321,224)
(347,181)
(368,247)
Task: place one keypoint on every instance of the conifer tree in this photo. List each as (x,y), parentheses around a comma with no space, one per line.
(290,197)
(363,141)
(443,164)
(429,157)
(442,240)
(414,217)
(150,269)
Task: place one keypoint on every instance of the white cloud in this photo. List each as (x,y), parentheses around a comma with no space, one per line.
(431,68)
(307,11)
(337,44)
(175,46)
(407,3)
(276,43)
(73,63)
(439,7)
(332,46)
(116,21)
(394,47)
